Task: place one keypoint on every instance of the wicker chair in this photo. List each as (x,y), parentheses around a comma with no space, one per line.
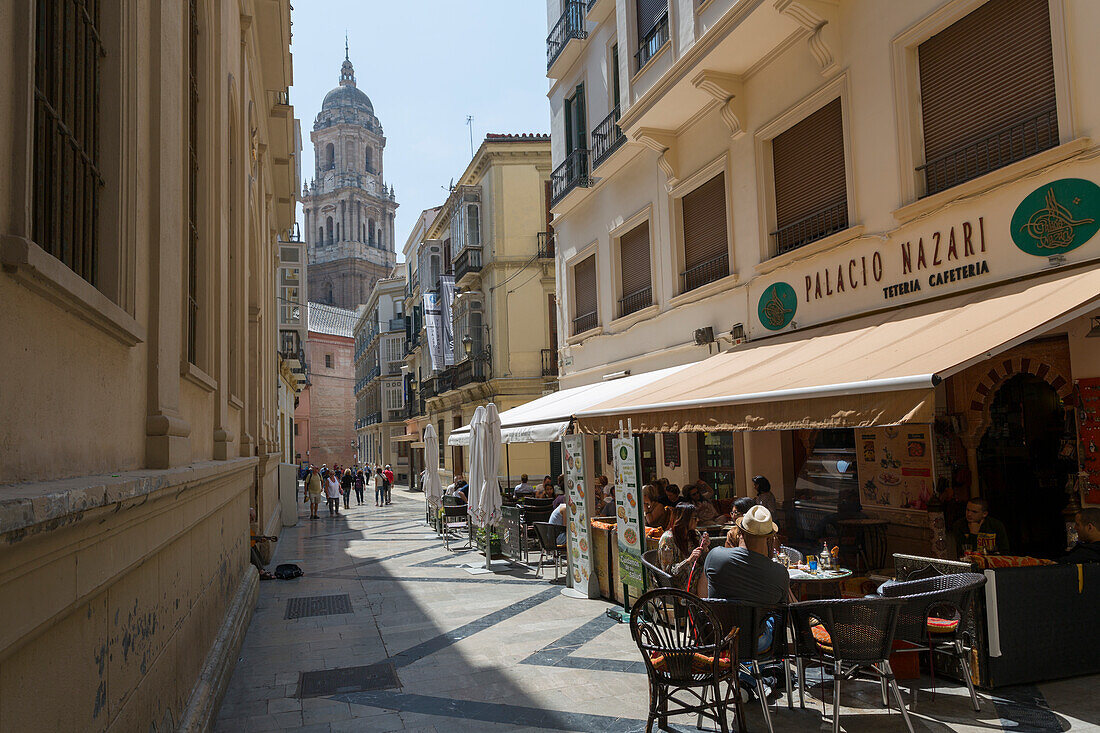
(853,636)
(936,615)
(657,578)
(452,501)
(795,556)
(456,521)
(738,615)
(548,545)
(690,660)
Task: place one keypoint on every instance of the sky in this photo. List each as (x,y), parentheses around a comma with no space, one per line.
(426,65)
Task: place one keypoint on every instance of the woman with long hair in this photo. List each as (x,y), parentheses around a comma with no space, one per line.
(682,551)
(656,514)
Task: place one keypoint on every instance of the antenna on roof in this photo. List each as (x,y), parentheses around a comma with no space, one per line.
(470,124)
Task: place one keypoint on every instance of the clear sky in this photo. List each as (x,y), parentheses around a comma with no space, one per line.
(425,64)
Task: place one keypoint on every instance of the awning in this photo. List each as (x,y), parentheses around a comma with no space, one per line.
(404,438)
(546,419)
(875,370)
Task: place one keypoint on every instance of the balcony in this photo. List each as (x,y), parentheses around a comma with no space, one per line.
(1005,146)
(395,415)
(373,419)
(586,322)
(572,173)
(429,388)
(635,301)
(652,42)
(414,408)
(466,372)
(546,245)
(468,262)
(705,272)
(374,373)
(820,224)
(568,28)
(395,324)
(549,363)
(607,138)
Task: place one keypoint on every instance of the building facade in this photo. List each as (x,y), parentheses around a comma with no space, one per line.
(325,415)
(729,173)
(139,227)
(348,208)
(379,385)
(492,238)
(291,296)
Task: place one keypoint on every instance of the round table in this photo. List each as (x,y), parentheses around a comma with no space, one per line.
(823,577)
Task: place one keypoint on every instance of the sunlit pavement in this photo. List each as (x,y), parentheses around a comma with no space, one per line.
(414,642)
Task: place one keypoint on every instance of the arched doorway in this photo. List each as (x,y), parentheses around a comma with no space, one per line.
(1019,469)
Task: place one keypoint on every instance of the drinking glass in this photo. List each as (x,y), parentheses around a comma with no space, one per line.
(811,560)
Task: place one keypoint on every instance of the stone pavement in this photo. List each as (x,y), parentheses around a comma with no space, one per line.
(433,648)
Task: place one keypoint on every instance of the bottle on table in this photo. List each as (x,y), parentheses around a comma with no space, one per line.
(826,561)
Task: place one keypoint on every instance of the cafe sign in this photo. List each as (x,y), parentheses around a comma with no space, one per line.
(1057,217)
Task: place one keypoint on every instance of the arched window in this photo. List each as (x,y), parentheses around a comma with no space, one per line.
(367,162)
(320,235)
(329,158)
(337,231)
(328,292)
(328,229)
(370,230)
(381,241)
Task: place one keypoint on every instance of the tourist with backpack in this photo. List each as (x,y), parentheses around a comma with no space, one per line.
(358,484)
(313,490)
(387,483)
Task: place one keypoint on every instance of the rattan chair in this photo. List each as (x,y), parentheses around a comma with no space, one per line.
(456,521)
(548,544)
(854,636)
(794,555)
(936,616)
(452,501)
(751,618)
(690,660)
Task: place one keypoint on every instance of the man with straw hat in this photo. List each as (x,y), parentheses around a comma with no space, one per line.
(746,572)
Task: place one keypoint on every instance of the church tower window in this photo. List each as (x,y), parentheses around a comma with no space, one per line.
(330,158)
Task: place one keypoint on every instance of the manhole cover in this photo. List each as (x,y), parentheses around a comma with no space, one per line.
(381,676)
(317,606)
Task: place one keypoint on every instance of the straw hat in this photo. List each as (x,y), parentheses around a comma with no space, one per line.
(758,522)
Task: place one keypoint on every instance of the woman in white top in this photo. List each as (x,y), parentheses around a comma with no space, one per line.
(332,491)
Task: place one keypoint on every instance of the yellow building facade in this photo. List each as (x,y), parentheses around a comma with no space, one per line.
(152,169)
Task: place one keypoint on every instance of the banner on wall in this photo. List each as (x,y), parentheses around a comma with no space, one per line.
(628,510)
(446,308)
(578,532)
(433,323)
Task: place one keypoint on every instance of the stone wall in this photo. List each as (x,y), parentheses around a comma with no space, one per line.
(331,400)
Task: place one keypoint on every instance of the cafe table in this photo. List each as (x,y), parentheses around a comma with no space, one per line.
(823,579)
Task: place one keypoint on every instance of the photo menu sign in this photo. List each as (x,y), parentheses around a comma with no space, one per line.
(628,511)
(895,466)
(578,530)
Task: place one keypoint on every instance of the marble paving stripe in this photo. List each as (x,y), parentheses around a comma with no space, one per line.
(446,639)
(560,653)
(369,561)
(471,579)
(489,712)
(1023,709)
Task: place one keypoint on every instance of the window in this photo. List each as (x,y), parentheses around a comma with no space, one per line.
(716,462)
(706,248)
(329,158)
(811,191)
(193,185)
(370,231)
(987,92)
(574,121)
(295,430)
(366,163)
(652,29)
(585,316)
(637,291)
(328,361)
(473,225)
(614,76)
(328,229)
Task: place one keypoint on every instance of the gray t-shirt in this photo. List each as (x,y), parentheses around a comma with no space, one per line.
(739,575)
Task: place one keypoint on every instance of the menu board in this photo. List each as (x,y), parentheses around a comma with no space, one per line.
(1088,438)
(578,535)
(671,444)
(895,466)
(628,510)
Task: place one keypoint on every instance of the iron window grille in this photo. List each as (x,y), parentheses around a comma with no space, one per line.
(820,224)
(652,42)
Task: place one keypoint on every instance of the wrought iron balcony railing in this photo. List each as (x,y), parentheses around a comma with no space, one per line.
(546,245)
(586,322)
(607,138)
(572,173)
(549,363)
(635,301)
(831,219)
(568,27)
(468,260)
(705,272)
(470,370)
(652,42)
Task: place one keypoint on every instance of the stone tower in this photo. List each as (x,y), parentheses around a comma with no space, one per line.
(349,210)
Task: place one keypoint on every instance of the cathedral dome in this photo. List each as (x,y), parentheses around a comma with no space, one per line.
(347,96)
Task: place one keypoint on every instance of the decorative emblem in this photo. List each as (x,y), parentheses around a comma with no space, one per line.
(777,306)
(1057,217)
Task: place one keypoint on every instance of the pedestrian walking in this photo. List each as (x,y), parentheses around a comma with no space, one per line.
(313,490)
(387,482)
(358,483)
(379,489)
(346,482)
(332,491)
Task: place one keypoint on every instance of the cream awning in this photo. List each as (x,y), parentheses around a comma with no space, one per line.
(879,369)
(545,420)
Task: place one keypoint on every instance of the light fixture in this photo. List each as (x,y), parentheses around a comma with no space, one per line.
(616,375)
(1094,332)
(467,344)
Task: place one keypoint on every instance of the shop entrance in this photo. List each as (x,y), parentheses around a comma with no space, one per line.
(1019,468)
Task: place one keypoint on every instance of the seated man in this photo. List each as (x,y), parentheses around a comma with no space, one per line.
(1087,549)
(524,488)
(979,532)
(558,517)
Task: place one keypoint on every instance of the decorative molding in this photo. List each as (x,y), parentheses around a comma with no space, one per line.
(728,90)
(808,14)
(662,142)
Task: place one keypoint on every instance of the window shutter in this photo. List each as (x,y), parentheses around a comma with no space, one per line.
(584,286)
(808,164)
(704,214)
(634,259)
(649,11)
(988,71)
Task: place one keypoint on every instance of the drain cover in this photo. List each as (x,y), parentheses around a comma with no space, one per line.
(317,606)
(381,676)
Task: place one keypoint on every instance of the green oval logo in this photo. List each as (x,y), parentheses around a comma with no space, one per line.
(1057,217)
(777,306)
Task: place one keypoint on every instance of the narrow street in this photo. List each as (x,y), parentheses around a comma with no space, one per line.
(445,650)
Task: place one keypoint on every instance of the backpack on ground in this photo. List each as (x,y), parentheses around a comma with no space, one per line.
(288,571)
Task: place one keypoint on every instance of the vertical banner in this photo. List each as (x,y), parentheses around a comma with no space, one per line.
(579,531)
(628,500)
(434,326)
(446,318)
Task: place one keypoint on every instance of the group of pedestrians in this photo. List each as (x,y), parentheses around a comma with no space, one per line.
(340,482)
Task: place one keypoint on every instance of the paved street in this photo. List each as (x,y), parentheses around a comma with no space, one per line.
(505,652)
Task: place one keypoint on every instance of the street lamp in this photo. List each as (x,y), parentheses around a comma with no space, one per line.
(467,344)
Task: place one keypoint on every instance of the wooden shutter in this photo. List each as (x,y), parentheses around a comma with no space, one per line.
(552,307)
(584,287)
(808,165)
(704,214)
(549,197)
(649,11)
(634,259)
(987,71)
